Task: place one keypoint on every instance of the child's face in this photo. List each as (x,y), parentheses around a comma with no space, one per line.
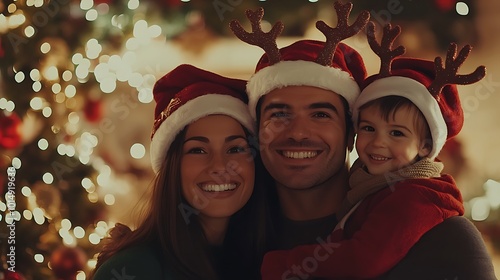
(385,146)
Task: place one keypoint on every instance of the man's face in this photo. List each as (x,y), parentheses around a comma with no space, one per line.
(302,135)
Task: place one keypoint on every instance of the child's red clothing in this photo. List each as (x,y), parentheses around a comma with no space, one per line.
(377,233)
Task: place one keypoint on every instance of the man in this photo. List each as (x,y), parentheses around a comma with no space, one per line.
(301,106)
(305,136)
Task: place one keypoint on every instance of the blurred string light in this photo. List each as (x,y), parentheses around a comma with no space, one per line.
(26,191)
(38,215)
(137,151)
(27,214)
(43,144)
(38,258)
(81,275)
(35,75)
(47,112)
(19,77)
(108,71)
(45,48)
(16,163)
(37,103)
(48,178)
(133,4)
(79,232)
(462,8)
(492,189)
(480,207)
(7,105)
(87,184)
(109,199)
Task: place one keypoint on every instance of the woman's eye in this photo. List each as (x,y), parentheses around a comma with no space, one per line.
(238,149)
(196,151)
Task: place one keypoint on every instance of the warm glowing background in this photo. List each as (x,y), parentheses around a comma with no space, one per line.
(76,104)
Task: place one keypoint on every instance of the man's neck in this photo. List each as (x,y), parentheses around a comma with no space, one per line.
(316,202)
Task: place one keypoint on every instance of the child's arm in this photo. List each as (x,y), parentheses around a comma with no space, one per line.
(388,233)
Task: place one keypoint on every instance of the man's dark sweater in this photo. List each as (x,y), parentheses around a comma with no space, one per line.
(453,250)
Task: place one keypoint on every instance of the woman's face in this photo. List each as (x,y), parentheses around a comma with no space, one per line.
(217,167)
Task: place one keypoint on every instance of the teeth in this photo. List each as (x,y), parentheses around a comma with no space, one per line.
(299,155)
(379,158)
(218,188)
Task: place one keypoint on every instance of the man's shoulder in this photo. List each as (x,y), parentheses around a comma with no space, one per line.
(137,262)
(453,249)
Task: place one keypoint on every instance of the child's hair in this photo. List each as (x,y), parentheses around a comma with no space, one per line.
(389,105)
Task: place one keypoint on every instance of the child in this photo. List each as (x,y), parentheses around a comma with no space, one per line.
(403,117)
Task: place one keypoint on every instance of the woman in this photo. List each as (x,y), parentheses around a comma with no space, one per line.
(206,220)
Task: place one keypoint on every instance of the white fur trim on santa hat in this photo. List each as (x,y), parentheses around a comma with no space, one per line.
(416,93)
(202,106)
(300,73)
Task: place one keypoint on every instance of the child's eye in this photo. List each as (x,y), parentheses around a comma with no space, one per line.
(367,128)
(397,133)
(196,151)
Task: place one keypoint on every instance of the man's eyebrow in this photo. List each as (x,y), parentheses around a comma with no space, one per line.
(275,105)
(324,105)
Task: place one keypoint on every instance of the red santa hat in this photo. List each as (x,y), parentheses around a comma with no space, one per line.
(427,84)
(187,94)
(298,68)
(329,65)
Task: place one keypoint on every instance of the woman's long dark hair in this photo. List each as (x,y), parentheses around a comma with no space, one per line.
(173,224)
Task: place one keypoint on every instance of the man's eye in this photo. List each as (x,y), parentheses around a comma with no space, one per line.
(321,115)
(279,115)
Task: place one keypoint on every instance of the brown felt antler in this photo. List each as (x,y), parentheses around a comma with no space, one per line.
(267,41)
(448,74)
(383,50)
(339,33)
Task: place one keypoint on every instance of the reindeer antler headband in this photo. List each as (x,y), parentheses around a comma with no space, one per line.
(267,41)
(329,65)
(444,75)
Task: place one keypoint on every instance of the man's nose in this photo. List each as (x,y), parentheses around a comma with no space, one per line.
(298,129)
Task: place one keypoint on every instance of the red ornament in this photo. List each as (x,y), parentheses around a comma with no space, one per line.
(9,275)
(93,110)
(445,5)
(10,135)
(66,262)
